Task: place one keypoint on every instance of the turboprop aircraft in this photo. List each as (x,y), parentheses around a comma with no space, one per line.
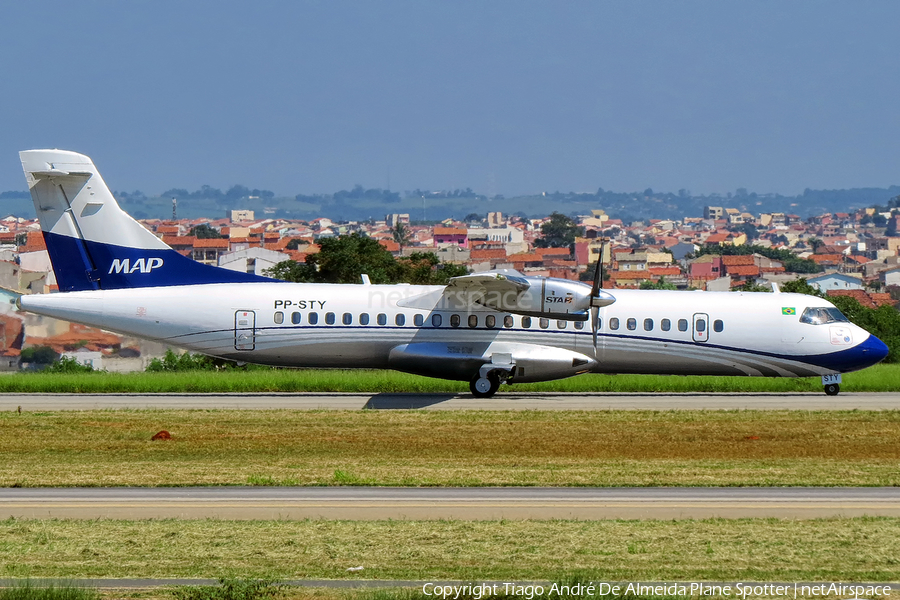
(484,328)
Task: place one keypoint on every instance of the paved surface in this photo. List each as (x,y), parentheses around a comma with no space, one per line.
(361,503)
(504,401)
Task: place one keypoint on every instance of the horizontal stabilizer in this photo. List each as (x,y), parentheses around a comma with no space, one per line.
(94,244)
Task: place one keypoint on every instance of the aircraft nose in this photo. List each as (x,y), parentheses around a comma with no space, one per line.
(872,351)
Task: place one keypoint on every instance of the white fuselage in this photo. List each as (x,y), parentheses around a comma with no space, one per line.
(374,326)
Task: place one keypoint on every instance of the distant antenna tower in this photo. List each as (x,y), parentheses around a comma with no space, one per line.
(174,209)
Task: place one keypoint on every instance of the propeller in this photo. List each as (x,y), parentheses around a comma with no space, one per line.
(599,298)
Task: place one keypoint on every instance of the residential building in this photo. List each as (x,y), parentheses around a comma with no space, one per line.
(238,216)
(251,260)
(836,281)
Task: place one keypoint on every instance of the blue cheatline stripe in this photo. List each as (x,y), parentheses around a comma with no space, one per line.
(118,267)
(868,353)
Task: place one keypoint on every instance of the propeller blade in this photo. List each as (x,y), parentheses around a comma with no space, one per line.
(598,276)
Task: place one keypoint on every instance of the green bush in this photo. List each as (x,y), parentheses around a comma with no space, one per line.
(182,362)
(231,589)
(66,364)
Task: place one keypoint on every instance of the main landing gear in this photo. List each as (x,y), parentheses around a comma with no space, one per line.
(485,387)
(832,389)
(486,383)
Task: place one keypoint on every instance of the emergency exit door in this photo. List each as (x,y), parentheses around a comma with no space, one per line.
(244,330)
(701,327)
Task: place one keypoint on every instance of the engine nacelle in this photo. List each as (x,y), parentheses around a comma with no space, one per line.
(462,361)
(543,297)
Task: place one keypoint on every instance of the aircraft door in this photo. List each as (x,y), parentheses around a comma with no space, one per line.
(244,330)
(701,327)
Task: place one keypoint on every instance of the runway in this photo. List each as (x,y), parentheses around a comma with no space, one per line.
(362,503)
(503,401)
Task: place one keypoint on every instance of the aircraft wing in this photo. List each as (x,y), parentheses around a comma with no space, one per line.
(476,285)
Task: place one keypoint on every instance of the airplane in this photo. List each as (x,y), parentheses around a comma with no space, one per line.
(485,328)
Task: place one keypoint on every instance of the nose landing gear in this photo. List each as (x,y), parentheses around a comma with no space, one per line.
(832,384)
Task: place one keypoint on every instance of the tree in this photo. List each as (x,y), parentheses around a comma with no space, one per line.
(41,355)
(204,231)
(559,232)
(792,264)
(341,259)
(662,284)
(401,234)
(815,243)
(750,230)
(345,258)
(801,286)
(425,268)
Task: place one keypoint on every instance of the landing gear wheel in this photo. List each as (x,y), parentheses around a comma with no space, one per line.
(832,389)
(485,387)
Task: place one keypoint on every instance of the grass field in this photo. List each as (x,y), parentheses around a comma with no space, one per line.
(450,448)
(880,378)
(713,550)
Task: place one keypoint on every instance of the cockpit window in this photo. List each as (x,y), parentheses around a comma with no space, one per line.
(820,316)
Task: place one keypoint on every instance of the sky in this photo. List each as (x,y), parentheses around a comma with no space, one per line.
(503,97)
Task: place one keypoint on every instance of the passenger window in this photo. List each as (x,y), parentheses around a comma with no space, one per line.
(382,319)
(329,318)
(347,319)
(631,324)
(614,323)
(295,318)
(313,318)
(718,326)
(648,324)
(561,324)
(279,318)
(454,320)
(473,320)
(701,325)
(682,325)
(508,321)
(400,320)
(579,324)
(419,320)
(436,320)
(364,319)
(490,321)
(526,322)
(665,324)
(544,323)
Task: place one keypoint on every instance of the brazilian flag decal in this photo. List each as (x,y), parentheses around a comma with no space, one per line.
(788,310)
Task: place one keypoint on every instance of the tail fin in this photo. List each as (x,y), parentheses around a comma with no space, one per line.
(93,243)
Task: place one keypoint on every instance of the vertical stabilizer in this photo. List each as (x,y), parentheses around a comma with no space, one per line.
(93,243)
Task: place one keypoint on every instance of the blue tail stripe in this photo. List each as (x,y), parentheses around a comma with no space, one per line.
(120,267)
